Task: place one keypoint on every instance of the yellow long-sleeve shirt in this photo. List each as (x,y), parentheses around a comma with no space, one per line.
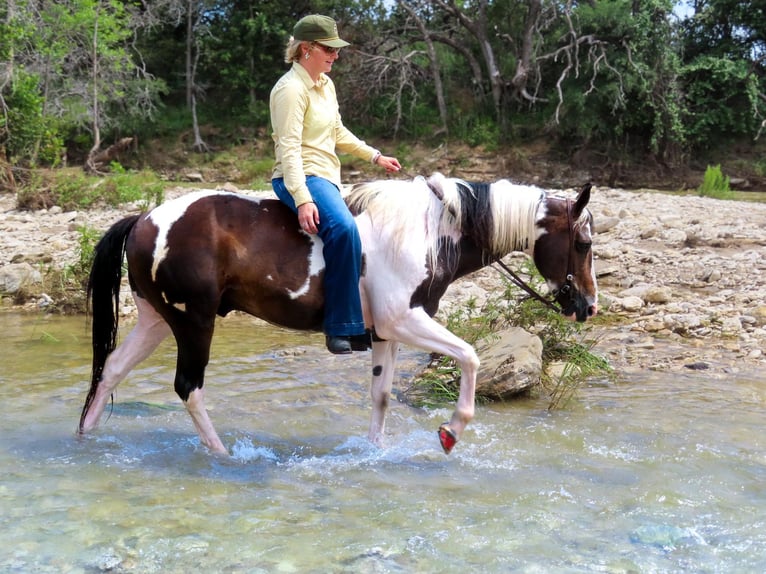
(307,131)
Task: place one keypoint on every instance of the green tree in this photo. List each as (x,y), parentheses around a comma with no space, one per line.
(26,132)
(79,53)
(635,105)
(724,74)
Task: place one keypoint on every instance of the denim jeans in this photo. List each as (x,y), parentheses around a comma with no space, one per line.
(342,255)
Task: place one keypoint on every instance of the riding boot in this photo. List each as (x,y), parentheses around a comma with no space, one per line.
(338,345)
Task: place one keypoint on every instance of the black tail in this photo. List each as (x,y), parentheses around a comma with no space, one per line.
(103,298)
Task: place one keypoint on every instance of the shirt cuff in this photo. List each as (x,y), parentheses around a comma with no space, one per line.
(301,196)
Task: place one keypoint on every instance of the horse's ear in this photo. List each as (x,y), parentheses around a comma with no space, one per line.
(582,199)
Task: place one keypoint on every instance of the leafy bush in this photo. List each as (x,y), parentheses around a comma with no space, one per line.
(28,136)
(715,184)
(126,187)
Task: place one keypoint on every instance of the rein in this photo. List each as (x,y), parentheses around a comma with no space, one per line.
(519,282)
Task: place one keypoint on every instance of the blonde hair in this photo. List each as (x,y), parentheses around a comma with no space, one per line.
(293,50)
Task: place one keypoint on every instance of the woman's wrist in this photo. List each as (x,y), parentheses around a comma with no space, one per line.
(375,157)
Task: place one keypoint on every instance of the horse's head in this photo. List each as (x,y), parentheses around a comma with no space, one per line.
(563,254)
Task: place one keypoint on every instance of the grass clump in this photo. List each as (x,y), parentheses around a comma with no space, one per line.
(568,360)
(715,184)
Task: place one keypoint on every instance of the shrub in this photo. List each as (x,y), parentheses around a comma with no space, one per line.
(715,184)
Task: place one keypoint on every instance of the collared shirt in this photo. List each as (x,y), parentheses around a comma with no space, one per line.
(308,130)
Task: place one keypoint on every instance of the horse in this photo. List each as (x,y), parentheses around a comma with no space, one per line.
(209,252)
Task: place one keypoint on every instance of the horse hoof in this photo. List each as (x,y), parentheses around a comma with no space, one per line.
(447,438)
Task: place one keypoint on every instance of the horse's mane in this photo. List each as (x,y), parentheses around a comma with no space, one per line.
(514,209)
(400,205)
(499,217)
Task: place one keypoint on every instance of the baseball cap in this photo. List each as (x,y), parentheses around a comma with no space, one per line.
(320,29)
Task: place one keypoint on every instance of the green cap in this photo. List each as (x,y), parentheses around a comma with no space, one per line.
(321,29)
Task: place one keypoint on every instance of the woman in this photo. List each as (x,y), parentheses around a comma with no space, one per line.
(307,132)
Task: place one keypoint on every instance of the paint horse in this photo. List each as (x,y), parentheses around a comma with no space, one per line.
(211,252)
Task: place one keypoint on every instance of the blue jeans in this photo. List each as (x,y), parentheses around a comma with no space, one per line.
(342,255)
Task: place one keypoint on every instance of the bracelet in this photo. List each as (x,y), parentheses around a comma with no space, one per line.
(376,157)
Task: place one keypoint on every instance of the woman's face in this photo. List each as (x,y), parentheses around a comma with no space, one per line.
(320,60)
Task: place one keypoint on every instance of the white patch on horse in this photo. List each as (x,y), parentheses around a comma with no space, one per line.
(165,215)
(316,265)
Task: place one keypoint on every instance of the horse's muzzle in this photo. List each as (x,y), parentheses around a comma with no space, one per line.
(578,308)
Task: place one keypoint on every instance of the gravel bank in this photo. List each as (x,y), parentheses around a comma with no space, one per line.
(684,276)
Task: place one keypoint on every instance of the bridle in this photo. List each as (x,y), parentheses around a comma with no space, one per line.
(566,290)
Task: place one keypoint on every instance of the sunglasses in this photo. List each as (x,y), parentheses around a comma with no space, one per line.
(327,49)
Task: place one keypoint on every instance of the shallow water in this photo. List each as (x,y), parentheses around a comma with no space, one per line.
(652,473)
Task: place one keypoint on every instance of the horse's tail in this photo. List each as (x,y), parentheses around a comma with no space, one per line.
(103,297)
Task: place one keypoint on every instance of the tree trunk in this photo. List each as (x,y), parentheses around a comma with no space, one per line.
(90,162)
(478,28)
(189,51)
(524,61)
(435,68)
(199,144)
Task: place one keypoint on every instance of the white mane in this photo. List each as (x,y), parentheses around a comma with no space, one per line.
(437,202)
(515,209)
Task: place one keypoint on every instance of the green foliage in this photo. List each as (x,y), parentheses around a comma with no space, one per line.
(255,171)
(563,342)
(86,246)
(480,132)
(632,77)
(723,99)
(579,364)
(72,189)
(29,135)
(125,187)
(630,101)
(87,77)
(715,184)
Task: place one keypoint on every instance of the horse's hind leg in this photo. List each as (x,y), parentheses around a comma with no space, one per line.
(383,362)
(195,405)
(149,332)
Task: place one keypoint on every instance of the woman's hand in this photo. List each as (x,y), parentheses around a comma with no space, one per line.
(390,164)
(308,217)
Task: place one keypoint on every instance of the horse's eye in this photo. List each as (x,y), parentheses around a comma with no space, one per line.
(582,246)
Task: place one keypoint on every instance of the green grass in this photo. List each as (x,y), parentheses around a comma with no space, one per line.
(73,189)
(715,184)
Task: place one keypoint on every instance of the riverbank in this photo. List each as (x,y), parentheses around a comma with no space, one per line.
(682,278)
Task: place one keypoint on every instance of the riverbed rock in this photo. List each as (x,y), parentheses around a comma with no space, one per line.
(17,276)
(511,362)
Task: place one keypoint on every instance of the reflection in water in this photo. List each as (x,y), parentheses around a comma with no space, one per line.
(653,473)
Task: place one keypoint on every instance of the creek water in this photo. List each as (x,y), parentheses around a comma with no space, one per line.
(648,472)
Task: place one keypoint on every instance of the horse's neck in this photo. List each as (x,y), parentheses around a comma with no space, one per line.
(471,258)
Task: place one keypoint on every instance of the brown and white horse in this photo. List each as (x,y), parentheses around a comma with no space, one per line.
(211,252)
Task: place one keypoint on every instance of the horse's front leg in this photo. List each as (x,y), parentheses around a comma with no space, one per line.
(418,329)
(384,355)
